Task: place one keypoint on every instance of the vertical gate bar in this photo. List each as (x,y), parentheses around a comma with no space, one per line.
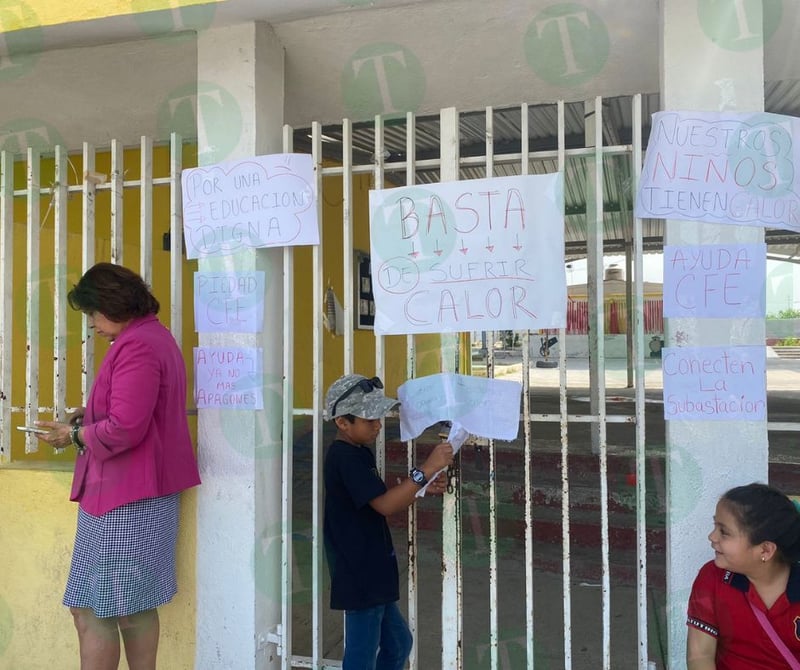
(566,590)
(493,650)
(452,589)
(287,442)
(601,378)
(639,389)
(490,358)
(87,260)
(380,443)
(524,140)
(175,237)
(117,173)
(413,611)
(524,123)
(629,270)
(146,209)
(489,141)
(350,308)
(33,285)
(59,196)
(411,373)
(6,283)
(317,390)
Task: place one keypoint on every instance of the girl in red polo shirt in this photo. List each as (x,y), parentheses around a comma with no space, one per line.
(744,611)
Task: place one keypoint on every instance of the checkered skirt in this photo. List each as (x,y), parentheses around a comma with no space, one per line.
(124,561)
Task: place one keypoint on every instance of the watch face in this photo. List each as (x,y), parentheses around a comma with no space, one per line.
(418,476)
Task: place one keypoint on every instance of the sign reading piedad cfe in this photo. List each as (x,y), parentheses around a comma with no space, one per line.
(230,302)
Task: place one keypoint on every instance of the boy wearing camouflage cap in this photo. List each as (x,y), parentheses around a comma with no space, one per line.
(365,581)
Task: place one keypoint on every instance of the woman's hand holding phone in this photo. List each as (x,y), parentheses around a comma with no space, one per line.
(55,433)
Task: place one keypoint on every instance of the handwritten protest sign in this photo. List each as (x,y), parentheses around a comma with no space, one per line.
(715,281)
(229,301)
(263,201)
(722,167)
(715,383)
(482,406)
(228,378)
(471,255)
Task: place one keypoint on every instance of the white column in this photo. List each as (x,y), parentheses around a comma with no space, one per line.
(240,114)
(704,459)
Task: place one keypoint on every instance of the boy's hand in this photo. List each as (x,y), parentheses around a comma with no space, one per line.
(437,485)
(441,457)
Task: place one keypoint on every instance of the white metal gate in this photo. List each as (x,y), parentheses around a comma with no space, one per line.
(496,643)
(480,601)
(51,182)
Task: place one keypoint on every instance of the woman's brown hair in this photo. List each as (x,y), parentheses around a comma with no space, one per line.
(114,291)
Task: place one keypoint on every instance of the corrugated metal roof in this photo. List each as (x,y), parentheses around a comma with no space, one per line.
(543,135)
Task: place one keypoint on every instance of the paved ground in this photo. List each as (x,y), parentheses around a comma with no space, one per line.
(783,381)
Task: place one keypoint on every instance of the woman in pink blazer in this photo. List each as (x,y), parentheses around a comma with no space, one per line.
(134,457)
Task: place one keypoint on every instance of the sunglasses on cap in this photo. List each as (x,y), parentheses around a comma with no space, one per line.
(366,385)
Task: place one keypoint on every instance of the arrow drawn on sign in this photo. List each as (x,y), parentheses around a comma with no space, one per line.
(414,253)
(463,249)
(517,246)
(437,250)
(489,245)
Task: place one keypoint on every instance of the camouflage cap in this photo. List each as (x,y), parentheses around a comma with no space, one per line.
(356,401)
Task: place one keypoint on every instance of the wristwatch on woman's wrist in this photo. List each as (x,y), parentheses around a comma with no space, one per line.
(76,440)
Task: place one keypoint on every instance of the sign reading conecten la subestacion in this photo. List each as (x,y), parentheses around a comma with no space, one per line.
(715,383)
(722,167)
(481,254)
(263,201)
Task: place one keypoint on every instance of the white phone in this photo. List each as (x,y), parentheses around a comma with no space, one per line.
(33,429)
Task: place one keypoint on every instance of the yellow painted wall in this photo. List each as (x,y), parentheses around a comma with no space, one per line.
(36,537)
(38,13)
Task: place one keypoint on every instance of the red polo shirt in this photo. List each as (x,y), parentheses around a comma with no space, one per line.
(720,606)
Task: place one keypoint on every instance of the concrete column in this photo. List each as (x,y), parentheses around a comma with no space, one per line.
(240,97)
(706,458)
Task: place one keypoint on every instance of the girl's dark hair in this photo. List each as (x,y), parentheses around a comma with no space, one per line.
(767,515)
(114,291)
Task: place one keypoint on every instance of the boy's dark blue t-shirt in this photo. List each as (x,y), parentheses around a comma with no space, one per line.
(359,547)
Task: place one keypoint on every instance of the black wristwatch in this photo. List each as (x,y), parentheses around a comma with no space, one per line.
(76,439)
(418,477)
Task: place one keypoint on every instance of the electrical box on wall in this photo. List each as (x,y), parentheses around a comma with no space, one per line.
(364,298)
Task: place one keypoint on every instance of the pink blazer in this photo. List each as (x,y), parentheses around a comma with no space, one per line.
(136,434)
